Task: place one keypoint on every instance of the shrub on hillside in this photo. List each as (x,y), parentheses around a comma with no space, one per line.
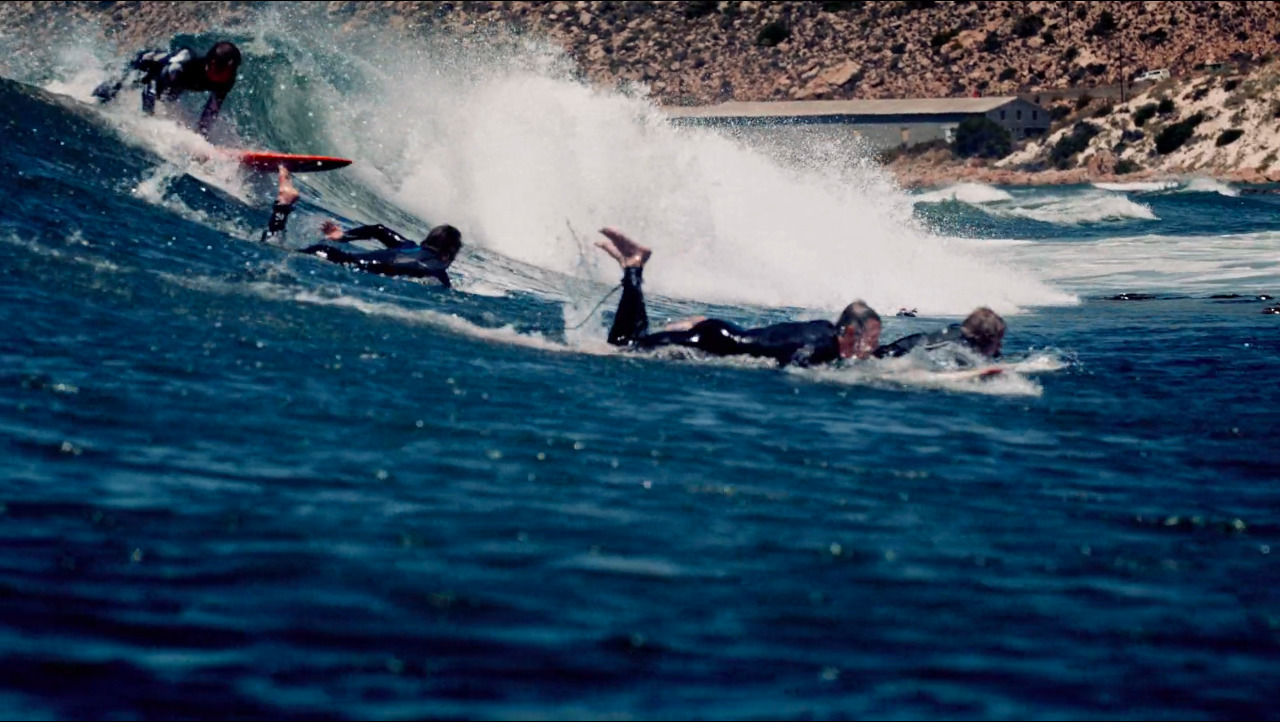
(1229,136)
(1047,37)
(992,43)
(1143,114)
(700,8)
(1105,25)
(1028,25)
(1072,143)
(1125,166)
(1006,74)
(981,137)
(943,38)
(836,6)
(1166,106)
(1104,110)
(773,34)
(1174,136)
(1155,38)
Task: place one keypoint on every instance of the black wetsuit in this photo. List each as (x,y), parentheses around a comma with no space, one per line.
(167,76)
(402,257)
(803,344)
(950,335)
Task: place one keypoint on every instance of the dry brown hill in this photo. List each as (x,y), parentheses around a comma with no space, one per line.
(697,52)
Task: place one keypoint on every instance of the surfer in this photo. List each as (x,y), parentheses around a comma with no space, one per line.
(854,335)
(167,75)
(982,332)
(401,257)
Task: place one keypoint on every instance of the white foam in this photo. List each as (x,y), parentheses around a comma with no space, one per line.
(1210,185)
(1156,263)
(971,193)
(1079,208)
(509,148)
(1138,186)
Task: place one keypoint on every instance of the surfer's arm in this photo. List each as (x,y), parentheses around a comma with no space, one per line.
(210,113)
(379,233)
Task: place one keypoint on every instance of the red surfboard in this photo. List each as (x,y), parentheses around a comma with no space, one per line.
(268,161)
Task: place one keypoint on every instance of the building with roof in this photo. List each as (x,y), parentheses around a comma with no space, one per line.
(882,124)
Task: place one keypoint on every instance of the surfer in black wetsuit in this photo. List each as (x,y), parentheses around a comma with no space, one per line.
(807,343)
(982,332)
(401,257)
(168,75)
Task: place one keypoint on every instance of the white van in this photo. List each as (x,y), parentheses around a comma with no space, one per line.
(1153,76)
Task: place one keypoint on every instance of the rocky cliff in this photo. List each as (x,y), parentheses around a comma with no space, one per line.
(701,52)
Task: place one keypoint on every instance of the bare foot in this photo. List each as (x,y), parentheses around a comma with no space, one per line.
(625,251)
(287,194)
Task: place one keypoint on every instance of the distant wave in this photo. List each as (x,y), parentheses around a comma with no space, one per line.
(1138,186)
(972,193)
(1081,208)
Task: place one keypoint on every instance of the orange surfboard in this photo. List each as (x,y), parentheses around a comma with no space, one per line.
(268,161)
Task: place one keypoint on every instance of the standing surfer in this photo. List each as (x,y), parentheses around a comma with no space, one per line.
(168,75)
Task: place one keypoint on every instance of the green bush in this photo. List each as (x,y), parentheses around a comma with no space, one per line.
(775,33)
(1174,136)
(981,137)
(992,43)
(1104,110)
(1006,74)
(1166,106)
(1047,37)
(1072,143)
(1028,25)
(1229,136)
(1125,166)
(1143,114)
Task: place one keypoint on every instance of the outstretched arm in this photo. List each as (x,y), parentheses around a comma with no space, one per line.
(210,113)
(377,232)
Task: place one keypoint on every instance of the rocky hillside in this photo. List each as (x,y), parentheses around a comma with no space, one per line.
(1221,125)
(700,52)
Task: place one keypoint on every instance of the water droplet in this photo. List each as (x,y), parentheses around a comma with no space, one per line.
(648,484)
(136,556)
(493,454)
(836,549)
(395,666)
(382,475)
(830,674)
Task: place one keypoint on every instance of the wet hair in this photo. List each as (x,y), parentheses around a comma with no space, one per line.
(983,327)
(857,314)
(224,54)
(444,241)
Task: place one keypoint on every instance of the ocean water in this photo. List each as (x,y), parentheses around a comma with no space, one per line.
(243,483)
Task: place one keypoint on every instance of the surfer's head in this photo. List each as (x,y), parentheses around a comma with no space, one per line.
(221,62)
(984,330)
(859,330)
(445,242)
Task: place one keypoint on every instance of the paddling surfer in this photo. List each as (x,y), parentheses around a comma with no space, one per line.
(854,335)
(401,257)
(167,75)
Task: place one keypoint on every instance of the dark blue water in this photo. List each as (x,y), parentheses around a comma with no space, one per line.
(240,484)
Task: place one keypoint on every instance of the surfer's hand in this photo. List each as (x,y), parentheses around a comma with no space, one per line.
(331,231)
